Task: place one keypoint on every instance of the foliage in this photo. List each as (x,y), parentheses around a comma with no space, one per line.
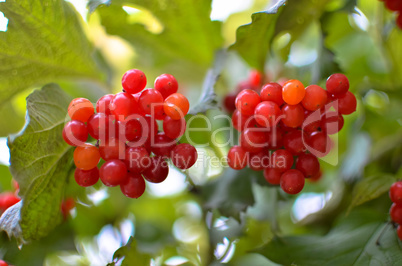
(206,215)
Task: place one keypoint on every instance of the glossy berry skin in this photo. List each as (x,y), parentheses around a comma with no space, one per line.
(137,159)
(157,171)
(292,181)
(315,98)
(239,120)
(347,103)
(282,160)
(267,114)
(312,121)
(80,109)
(275,138)
(237,158)
(272,92)
(122,105)
(75,133)
(103,104)
(101,126)
(255,78)
(184,156)
(229,103)
(272,176)
(151,101)
(293,92)
(132,129)
(133,81)
(166,84)
(176,106)
(308,164)
(396,213)
(162,145)
(294,142)
(319,144)
(133,186)
(174,128)
(395,192)
(331,122)
(258,161)
(86,157)
(113,173)
(292,115)
(253,140)
(8,199)
(399,232)
(246,101)
(337,84)
(3,263)
(112,148)
(86,178)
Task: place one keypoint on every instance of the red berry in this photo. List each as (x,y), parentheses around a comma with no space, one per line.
(315,178)
(184,156)
(319,144)
(292,181)
(122,105)
(253,140)
(246,101)
(101,126)
(132,129)
(399,20)
(229,102)
(399,232)
(294,142)
(312,121)
(331,122)
(337,84)
(308,164)
(267,114)
(112,148)
(315,98)
(292,115)
(176,106)
(239,120)
(75,133)
(174,128)
(282,160)
(151,101)
(347,103)
(394,5)
(113,173)
(293,92)
(133,81)
(8,199)
(396,213)
(272,92)
(275,138)
(237,158)
(80,109)
(66,206)
(133,186)
(3,263)
(137,159)
(86,157)
(255,78)
(103,104)
(166,84)
(157,171)
(162,145)
(395,192)
(272,176)
(86,178)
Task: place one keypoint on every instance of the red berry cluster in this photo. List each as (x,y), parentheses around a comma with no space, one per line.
(395,5)
(395,193)
(285,127)
(127,132)
(8,198)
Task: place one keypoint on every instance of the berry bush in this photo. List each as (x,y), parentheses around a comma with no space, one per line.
(261,132)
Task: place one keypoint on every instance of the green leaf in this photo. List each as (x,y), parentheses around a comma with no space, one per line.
(184,31)
(253,40)
(44,41)
(131,254)
(371,188)
(230,194)
(9,222)
(41,161)
(352,242)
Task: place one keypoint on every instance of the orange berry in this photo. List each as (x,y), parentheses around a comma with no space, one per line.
(80,109)
(293,92)
(176,106)
(86,157)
